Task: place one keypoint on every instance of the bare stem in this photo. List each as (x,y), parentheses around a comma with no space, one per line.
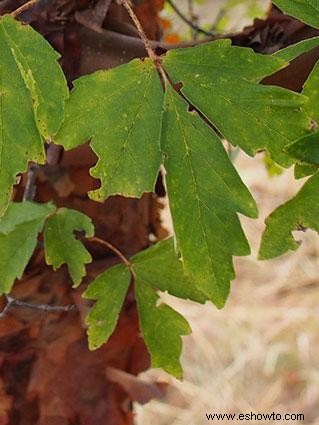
(187,21)
(14,302)
(116,251)
(23,8)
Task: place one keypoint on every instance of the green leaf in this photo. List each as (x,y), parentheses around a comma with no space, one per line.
(121,111)
(222,82)
(154,268)
(19,229)
(292,52)
(36,62)
(304,170)
(205,192)
(160,268)
(306,149)
(304,10)
(311,90)
(109,290)
(26,93)
(61,245)
(162,328)
(297,214)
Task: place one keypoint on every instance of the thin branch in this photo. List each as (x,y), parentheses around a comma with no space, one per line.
(187,21)
(23,8)
(152,55)
(116,251)
(14,302)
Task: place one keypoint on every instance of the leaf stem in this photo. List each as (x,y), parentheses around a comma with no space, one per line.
(14,302)
(148,47)
(116,251)
(23,8)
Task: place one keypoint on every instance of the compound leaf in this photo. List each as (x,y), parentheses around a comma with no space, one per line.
(62,246)
(205,192)
(222,82)
(19,228)
(304,10)
(109,290)
(162,328)
(297,214)
(121,111)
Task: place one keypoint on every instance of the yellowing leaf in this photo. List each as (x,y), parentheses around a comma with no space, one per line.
(121,111)
(32,93)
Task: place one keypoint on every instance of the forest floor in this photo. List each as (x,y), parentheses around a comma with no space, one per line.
(260,353)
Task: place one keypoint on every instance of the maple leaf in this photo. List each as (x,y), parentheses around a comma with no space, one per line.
(121,111)
(222,82)
(300,213)
(19,228)
(207,228)
(31,105)
(61,245)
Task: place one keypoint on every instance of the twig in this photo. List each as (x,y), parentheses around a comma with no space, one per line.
(23,8)
(187,21)
(152,55)
(116,251)
(30,187)
(14,302)
(193,19)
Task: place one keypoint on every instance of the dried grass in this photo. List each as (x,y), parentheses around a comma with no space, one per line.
(261,352)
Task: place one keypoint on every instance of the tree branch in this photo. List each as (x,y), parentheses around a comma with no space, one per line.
(187,21)
(152,55)
(14,302)
(23,8)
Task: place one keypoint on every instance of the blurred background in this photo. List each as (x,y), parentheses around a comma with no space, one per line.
(261,352)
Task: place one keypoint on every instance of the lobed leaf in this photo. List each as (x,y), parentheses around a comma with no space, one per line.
(19,229)
(205,192)
(109,290)
(62,246)
(162,328)
(222,82)
(31,104)
(121,111)
(297,214)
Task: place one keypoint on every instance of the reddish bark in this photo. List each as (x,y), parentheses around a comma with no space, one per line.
(48,376)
